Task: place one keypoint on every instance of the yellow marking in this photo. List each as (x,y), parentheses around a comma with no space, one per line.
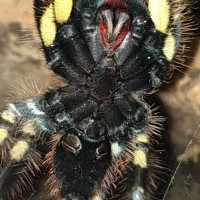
(48,26)
(19,150)
(8,116)
(143,138)
(169,47)
(140,159)
(3,135)
(160,14)
(96,198)
(28,128)
(140,189)
(63,10)
(177,17)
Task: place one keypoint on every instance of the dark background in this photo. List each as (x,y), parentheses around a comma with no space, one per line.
(21,62)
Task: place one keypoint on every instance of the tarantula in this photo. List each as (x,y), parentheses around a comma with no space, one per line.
(93,137)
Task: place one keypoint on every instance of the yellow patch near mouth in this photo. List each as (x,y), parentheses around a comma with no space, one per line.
(62,10)
(160,14)
(48,26)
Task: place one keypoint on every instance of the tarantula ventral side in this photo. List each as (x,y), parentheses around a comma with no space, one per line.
(93,137)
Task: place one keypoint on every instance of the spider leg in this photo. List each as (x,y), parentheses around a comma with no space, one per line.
(20,156)
(131,133)
(120,114)
(64,52)
(139,169)
(147,69)
(67,106)
(26,126)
